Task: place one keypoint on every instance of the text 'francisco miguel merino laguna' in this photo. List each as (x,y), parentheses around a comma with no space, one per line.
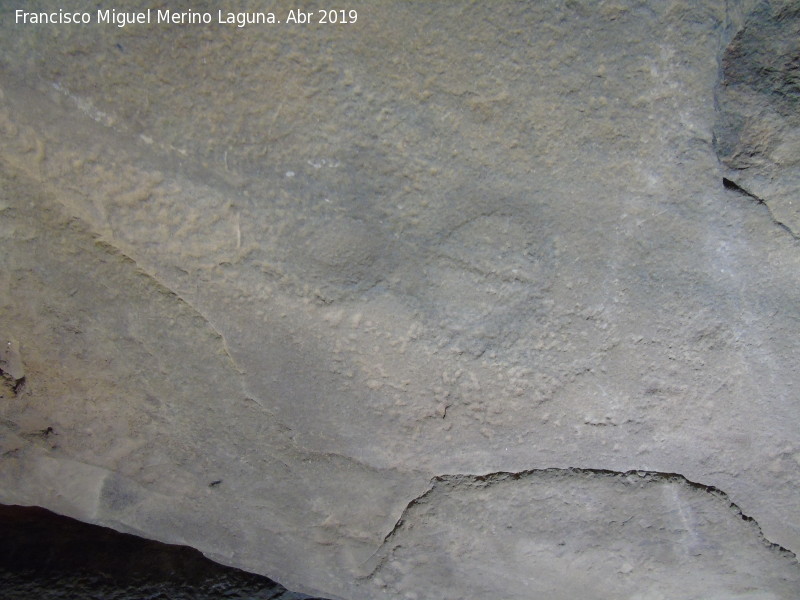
(190,17)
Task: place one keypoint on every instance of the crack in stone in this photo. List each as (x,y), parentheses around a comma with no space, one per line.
(490,479)
(729,184)
(394,530)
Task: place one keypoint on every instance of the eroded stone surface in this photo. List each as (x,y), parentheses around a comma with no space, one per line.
(323,275)
(628,532)
(758,128)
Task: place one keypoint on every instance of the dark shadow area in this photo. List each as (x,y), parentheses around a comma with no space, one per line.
(46,556)
(729,184)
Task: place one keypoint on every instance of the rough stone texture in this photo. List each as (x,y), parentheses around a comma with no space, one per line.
(342,273)
(612,548)
(758,128)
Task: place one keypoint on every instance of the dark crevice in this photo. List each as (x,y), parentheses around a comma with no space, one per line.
(19,385)
(45,555)
(732,185)
(729,184)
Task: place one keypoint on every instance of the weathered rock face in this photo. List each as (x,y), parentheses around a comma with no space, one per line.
(401,308)
(758,127)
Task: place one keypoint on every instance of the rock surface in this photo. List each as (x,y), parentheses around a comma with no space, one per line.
(450,302)
(758,127)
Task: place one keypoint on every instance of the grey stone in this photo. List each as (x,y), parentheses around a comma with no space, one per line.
(343,273)
(758,128)
(10,361)
(517,546)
